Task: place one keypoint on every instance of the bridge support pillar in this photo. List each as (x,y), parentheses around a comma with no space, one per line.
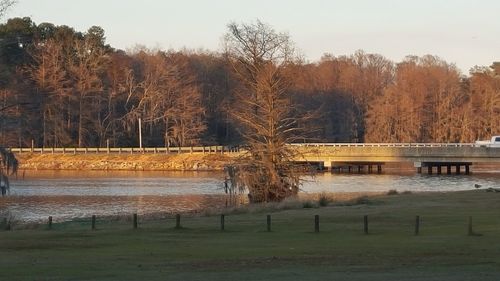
(457,169)
(419,170)
(467,169)
(429,169)
(439,169)
(326,165)
(379,169)
(448,169)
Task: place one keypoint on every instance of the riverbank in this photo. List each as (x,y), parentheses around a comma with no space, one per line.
(291,251)
(124,162)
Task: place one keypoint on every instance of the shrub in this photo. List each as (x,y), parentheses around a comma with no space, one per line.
(323,200)
(307,204)
(362,200)
(392,192)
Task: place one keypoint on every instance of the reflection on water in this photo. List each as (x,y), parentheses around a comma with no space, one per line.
(36,208)
(412,182)
(72,194)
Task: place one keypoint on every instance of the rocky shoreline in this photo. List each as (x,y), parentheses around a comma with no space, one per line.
(124,162)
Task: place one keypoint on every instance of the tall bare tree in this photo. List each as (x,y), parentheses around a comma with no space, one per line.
(8,161)
(5,5)
(48,72)
(86,67)
(8,166)
(260,58)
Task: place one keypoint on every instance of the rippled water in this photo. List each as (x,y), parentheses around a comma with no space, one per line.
(64,195)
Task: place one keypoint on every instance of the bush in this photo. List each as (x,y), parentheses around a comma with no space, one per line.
(392,192)
(323,200)
(307,204)
(362,200)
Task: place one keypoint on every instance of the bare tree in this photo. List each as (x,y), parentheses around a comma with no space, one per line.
(5,5)
(48,72)
(260,58)
(163,92)
(86,67)
(8,166)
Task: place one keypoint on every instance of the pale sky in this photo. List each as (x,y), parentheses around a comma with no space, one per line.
(466,33)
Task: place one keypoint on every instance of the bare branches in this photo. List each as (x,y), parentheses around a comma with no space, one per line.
(8,166)
(5,5)
(260,57)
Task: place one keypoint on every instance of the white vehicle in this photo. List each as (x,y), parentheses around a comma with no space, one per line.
(494,142)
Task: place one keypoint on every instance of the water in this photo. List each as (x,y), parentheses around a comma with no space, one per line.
(72,194)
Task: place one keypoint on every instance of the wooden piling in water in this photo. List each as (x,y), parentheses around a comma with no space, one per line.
(134,221)
(50,222)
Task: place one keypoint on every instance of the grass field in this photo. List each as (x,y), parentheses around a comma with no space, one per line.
(291,251)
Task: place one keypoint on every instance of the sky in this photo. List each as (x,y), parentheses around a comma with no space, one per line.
(466,33)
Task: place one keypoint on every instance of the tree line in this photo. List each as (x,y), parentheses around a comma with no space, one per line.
(63,88)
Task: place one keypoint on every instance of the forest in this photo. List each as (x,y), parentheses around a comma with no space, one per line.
(65,88)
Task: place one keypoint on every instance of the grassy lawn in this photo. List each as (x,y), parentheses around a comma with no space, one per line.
(291,251)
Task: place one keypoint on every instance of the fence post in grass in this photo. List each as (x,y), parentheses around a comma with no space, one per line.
(417,225)
(366,224)
(470,232)
(93,222)
(222,222)
(7,224)
(268,223)
(134,219)
(50,222)
(316,223)
(178,221)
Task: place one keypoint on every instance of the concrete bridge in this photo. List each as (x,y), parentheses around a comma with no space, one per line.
(432,156)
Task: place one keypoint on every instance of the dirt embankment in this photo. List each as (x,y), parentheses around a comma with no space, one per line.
(132,162)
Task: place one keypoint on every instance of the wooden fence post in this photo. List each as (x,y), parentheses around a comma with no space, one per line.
(366,224)
(222,222)
(268,223)
(178,221)
(316,223)
(417,225)
(7,224)
(470,232)
(93,222)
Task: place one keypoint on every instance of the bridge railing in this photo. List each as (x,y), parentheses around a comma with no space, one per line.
(125,150)
(213,149)
(385,144)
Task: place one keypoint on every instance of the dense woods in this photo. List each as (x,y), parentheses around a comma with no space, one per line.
(64,88)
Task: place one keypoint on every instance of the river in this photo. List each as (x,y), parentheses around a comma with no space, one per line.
(35,195)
